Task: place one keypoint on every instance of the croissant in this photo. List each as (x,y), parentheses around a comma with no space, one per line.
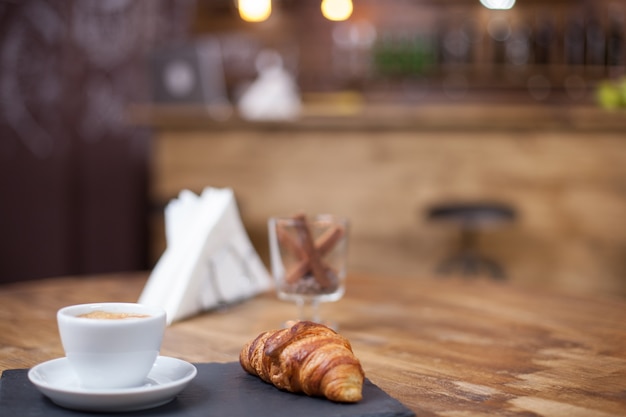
(307,358)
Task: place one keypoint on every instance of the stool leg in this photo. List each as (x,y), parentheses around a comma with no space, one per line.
(468,239)
(494,269)
(470,264)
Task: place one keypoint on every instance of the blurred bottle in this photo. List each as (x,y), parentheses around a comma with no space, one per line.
(615,39)
(383,52)
(596,43)
(500,31)
(574,41)
(543,40)
(439,34)
(518,47)
(472,37)
(404,53)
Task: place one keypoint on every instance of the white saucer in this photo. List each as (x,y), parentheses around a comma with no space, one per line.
(56,380)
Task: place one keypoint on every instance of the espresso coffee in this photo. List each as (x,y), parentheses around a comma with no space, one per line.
(111,345)
(107,315)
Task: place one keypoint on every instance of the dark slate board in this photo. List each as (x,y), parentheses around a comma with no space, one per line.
(219,389)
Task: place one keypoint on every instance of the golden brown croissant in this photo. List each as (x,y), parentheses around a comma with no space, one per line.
(306,358)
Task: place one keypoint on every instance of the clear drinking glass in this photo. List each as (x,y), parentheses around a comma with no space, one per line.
(308,257)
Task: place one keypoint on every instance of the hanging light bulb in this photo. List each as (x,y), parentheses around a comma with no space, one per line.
(498,4)
(337,9)
(255,10)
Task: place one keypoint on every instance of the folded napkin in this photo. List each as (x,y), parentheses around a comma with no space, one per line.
(209,259)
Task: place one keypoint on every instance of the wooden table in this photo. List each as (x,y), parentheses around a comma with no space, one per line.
(443,348)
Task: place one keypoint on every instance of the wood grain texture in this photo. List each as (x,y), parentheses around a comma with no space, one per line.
(442,347)
(567,185)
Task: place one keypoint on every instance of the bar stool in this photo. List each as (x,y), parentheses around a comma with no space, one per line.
(472,218)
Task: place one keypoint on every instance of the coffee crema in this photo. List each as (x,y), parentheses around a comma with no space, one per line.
(107,315)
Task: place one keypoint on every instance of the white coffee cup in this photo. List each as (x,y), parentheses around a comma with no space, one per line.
(114,352)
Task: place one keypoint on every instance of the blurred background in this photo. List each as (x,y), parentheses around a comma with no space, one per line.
(381,111)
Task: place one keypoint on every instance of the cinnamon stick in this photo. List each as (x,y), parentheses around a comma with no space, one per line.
(323,245)
(308,245)
(291,244)
(297,271)
(328,239)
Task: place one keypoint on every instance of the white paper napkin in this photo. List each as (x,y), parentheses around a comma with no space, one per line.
(209,260)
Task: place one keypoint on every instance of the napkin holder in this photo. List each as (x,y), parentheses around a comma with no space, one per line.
(209,260)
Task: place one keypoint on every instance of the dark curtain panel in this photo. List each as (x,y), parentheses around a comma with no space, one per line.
(73,171)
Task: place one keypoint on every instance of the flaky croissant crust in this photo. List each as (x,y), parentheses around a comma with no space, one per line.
(307,357)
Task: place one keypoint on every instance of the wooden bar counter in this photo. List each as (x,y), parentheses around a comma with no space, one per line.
(442,347)
(383,166)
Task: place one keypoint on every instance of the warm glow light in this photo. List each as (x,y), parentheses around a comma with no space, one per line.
(255,10)
(498,4)
(337,9)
